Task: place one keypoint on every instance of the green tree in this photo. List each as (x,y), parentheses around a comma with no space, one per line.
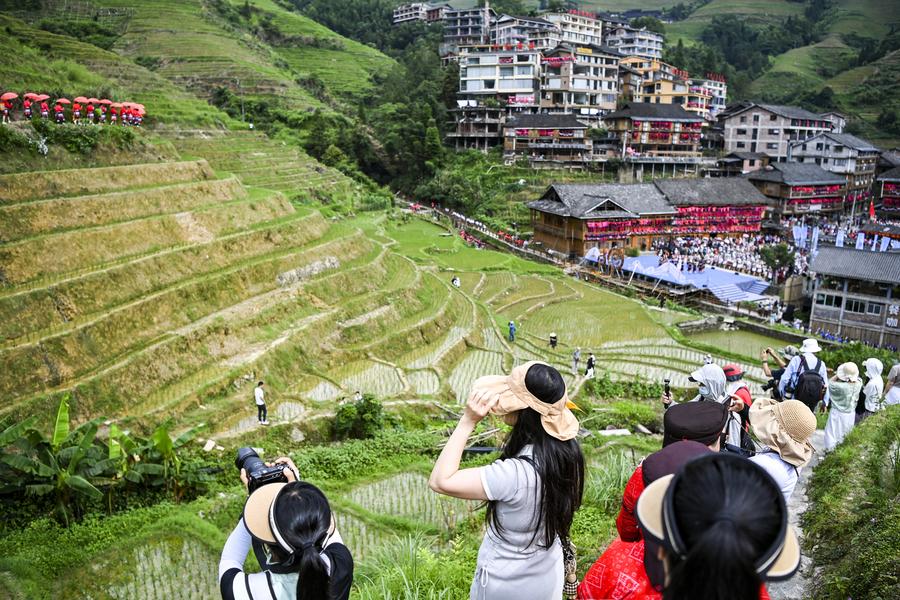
(649,23)
(778,256)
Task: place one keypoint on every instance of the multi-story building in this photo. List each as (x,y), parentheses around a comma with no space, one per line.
(581,79)
(838,121)
(688,94)
(857,294)
(577,28)
(741,163)
(797,189)
(717,87)
(842,154)
(629,82)
(769,128)
(888,191)
(463,27)
(571,219)
(494,82)
(405,13)
(631,41)
(419,11)
(653,70)
(527,31)
(548,140)
(661,131)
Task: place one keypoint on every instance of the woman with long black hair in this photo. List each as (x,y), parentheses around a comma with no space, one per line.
(720,529)
(299,546)
(532,491)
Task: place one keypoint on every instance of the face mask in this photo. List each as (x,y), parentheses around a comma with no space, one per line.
(704,391)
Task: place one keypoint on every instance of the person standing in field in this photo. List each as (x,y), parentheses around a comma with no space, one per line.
(576,358)
(512,331)
(589,367)
(260,396)
(874,389)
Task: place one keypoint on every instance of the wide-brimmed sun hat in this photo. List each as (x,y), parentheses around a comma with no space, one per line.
(809,345)
(556,418)
(785,427)
(790,351)
(655,512)
(848,372)
(259,514)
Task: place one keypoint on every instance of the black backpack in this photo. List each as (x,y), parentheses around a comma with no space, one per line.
(810,384)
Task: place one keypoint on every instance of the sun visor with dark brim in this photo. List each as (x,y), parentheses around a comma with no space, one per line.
(256,512)
(649,512)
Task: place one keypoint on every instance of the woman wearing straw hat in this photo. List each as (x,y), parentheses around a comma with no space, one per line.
(844,388)
(532,491)
(722,530)
(301,549)
(784,429)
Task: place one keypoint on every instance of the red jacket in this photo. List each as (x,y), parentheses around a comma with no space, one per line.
(619,575)
(626,522)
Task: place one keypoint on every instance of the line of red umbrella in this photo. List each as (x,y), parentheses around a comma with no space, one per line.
(81,99)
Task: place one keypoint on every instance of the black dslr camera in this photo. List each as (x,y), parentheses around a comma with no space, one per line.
(258,474)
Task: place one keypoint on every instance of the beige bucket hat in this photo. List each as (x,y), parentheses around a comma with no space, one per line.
(785,427)
(655,512)
(848,372)
(557,418)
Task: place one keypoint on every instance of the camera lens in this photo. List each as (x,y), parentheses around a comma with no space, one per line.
(248,459)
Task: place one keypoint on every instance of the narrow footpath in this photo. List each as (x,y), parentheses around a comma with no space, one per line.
(796,588)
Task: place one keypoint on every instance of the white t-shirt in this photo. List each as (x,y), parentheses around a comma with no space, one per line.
(260,396)
(784,473)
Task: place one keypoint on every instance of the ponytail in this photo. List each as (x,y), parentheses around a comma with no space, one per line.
(721,550)
(313,583)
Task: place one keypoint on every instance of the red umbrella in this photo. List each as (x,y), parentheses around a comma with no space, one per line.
(92,100)
(64,101)
(42,97)
(9,96)
(81,99)
(117,105)
(106,102)
(31,96)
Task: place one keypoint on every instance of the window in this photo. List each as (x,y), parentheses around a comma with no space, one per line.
(506,71)
(771,146)
(773,117)
(774,131)
(804,146)
(828,300)
(756,118)
(855,306)
(743,119)
(742,132)
(874,309)
(741,145)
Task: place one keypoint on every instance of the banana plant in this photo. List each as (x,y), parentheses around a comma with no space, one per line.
(165,451)
(57,466)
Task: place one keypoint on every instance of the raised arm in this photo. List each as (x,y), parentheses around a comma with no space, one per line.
(446,476)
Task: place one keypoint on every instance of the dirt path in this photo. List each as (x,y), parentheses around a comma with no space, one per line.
(796,588)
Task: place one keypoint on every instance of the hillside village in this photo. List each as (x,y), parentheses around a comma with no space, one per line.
(306,229)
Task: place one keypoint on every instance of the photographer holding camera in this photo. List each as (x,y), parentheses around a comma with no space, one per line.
(774,375)
(292,530)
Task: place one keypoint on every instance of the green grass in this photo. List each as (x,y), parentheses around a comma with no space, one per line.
(753,12)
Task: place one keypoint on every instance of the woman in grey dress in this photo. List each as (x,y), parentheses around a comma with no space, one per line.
(532,491)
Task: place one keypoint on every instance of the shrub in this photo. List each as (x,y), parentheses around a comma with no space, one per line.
(852,525)
(363,418)
(356,458)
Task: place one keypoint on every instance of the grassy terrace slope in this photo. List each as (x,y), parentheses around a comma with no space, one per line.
(344,65)
(142,298)
(754,12)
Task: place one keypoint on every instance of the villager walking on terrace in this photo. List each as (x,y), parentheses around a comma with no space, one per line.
(553,341)
(512,331)
(844,387)
(261,412)
(576,358)
(532,491)
(589,367)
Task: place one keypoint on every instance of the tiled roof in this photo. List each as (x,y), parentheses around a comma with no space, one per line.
(796,174)
(581,200)
(546,121)
(892,175)
(720,191)
(844,139)
(646,110)
(883,267)
(789,112)
(889,159)
(749,155)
